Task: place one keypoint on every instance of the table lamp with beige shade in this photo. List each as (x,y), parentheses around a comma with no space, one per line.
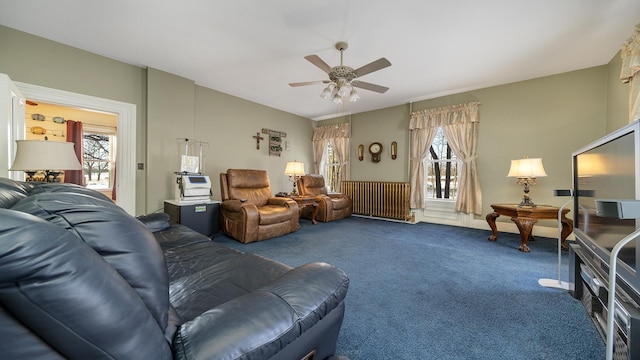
(52,157)
(526,171)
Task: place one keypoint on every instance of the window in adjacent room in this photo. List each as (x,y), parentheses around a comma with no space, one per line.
(441,170)
(99,156)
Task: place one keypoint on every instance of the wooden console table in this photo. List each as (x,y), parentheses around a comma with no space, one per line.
(525,217)
(305,201)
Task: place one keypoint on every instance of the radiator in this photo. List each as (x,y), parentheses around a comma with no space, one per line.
(379,199)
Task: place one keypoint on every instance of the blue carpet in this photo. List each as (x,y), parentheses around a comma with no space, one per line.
(428,291)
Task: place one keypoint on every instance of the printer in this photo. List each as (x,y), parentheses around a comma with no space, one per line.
(192,188)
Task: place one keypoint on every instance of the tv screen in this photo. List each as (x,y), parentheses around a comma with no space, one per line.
(606,170)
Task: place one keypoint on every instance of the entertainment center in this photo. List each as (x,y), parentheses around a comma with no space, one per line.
(607,171)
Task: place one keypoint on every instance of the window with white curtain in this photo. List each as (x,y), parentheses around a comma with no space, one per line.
(441,170)
(330,168)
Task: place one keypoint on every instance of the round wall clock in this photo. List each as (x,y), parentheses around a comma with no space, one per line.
(375,149)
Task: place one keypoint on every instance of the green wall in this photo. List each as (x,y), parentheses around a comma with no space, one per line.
(547,117)
(168,107)
(170,115)
(229,123)
(34,60)
(617,96)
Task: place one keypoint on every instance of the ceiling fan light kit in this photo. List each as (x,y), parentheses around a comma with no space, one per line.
(342,79)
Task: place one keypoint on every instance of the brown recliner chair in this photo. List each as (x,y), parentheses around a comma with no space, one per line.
(249,212)
(331,206)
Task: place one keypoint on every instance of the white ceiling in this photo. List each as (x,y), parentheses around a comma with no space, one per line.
(253,49)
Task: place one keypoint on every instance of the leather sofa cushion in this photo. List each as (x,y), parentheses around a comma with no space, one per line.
(251,185)
(155,222)
(65,292)
(123,241)
(68,188)
(11,192)
(274,214)
(204,274)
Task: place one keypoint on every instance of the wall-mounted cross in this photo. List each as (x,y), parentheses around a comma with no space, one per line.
(258,138)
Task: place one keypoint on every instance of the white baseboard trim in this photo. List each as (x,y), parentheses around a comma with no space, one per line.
(471,221)
(381,218)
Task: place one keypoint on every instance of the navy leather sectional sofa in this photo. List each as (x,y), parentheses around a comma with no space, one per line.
(82,279)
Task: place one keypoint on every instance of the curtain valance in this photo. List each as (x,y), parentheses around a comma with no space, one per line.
(331,132)
(630,53)
(443,116)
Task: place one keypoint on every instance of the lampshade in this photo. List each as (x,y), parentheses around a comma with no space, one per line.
(344,89)
(354,96)
(337,99)
(527,168)
(335,91)
(326,93)
(294,168)
(45,155)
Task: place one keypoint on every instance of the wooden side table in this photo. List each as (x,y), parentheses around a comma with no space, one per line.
(525,217)
(306,201)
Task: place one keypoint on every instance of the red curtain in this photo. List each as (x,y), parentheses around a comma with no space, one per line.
(113,190)
(75,135)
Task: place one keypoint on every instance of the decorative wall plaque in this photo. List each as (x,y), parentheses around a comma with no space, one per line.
(275,141)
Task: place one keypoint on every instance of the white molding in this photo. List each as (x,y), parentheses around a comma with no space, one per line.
(126,145)
(12,125)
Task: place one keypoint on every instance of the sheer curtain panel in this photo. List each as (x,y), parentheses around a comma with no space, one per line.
(630,72)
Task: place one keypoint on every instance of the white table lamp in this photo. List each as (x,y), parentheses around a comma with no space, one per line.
(527,170)
(295,170)
(50,156)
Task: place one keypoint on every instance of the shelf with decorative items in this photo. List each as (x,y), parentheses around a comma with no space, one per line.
(44,127)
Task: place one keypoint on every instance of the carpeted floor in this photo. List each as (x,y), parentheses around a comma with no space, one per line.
(429,291)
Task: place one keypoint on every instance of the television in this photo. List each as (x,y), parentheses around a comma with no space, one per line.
(609,168)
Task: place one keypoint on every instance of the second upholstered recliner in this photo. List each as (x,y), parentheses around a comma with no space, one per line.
(331,206)
(249,212)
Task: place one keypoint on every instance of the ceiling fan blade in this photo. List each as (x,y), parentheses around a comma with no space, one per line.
(315,60)
(305,83)
(369,86)
(371,67)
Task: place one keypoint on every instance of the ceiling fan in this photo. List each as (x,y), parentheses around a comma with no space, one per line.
(344,79)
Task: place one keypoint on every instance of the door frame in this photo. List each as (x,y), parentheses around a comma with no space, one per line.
(126,133)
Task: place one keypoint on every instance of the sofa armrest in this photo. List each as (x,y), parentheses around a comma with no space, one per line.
(233,205)
(336,195)
(325,202)
(282,201)
(262,323)
(156,221)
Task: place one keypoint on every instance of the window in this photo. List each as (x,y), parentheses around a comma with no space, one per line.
(331,168)
(99,157)
(441,170)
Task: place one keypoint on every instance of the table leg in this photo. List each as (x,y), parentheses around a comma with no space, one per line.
(491,220)
(525,225)
(567,228)
(314,213)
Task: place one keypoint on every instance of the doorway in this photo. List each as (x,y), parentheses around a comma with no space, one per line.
(126,132)
(99,139)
